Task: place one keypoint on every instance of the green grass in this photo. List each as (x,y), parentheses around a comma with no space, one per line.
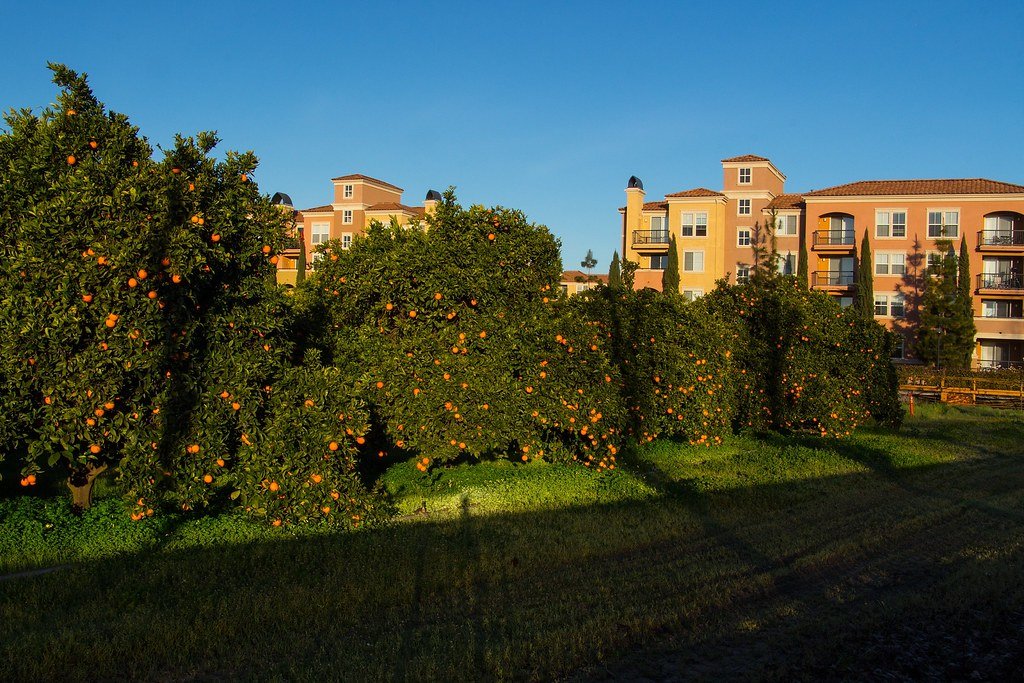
(888,555)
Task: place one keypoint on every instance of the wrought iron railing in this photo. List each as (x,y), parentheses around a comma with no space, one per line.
(834,238)
(650,237)
(833,278)
(1000,281)
(1001,238)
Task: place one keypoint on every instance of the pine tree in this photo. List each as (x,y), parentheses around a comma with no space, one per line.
(866,280)
(615,273)
(670,278)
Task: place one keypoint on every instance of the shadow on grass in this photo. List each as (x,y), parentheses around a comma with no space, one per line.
(784,589)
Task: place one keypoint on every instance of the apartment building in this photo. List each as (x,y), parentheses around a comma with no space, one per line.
(358,200)
(904,220)
(575,281)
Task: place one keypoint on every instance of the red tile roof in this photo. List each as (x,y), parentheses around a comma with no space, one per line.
(580,276)
(391,206)
(360,176)
(696,192)
(787,201)
(650,206)
(745,157)
(318,209)
(872,188)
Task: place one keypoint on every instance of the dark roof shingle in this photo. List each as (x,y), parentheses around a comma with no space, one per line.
(745,157)
(360,176)
(696,192)
(317,209)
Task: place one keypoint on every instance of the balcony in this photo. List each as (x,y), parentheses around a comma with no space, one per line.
(1001,240)
(650,240)
(1001,283)
(833,240)
(833,279)
(1000,364)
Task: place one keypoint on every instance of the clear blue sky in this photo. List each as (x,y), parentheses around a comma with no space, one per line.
(550,107)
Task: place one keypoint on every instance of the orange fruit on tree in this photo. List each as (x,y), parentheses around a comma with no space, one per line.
(220,462)
(273,486)
(266,248)
(71,160)
(94,449)
(333,445)
(316,478)
(277,522)
(152,294)
(176,279)
(236,405)
(412,314)
(208,478)
(175,170)
(215,237)
(133,283)
(87,298)
(274,260)
(437,296)
(93,144)
(142,274)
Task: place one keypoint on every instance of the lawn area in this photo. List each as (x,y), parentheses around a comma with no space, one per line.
(884,556)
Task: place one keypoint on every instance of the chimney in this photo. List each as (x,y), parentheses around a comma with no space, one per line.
(634,205)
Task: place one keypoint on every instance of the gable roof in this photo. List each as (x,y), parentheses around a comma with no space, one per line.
(580,276)
(696,192)
(391,206)
(360,176)
(872,188)
(745,157)
(319,209)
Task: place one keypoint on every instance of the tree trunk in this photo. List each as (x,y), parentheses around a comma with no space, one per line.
(80,482)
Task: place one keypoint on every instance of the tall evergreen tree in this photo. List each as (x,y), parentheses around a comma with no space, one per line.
(670,278)
(615,273)
(300,263)
(965,304)
(629,273)
(866,280)
(945,338)
(802,265)
(589,262)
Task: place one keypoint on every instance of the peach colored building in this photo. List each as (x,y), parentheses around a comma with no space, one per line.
(904,219)
(358,200)
(576,281)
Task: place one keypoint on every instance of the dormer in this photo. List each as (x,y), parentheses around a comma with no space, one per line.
(751,173)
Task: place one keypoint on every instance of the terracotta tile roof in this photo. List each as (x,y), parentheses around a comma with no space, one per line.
(696,192)
(650,206)
(580,276)
(391,206)
(871,188)
(787,201)
(360,176)
(318,209)
(745,157)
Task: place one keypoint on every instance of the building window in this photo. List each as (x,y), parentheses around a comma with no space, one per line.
(881,304)
(743,207)
(943,224)
(743,237)
(565,290)
(742,274)
(890,224)
(896,306)
(994,308)
(692,294)
(693,261)
(658,223)
(890,264)
(845,301)
(695,224)
(347,194)
(346,216)
(659,262)
(785,225)
(744,178)
(898,348)
(346,240)
(320,233)
(787,264)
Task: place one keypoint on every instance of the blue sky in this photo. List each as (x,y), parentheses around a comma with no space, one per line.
(550,107)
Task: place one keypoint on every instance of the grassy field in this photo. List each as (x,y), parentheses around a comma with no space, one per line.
(884,556)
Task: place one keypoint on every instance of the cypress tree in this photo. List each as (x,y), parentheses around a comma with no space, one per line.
(300,263)
(802,265)
(670,278)
(615,273)
(965,304)
(866,280)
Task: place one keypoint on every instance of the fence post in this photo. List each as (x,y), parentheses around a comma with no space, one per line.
(911,404)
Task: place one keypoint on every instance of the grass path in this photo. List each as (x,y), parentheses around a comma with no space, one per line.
(882,557)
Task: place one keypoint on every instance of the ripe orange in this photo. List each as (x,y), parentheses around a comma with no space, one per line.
(274,260)
(87,298)
(208,478)
(152,294)
(380,385)
(94,449)
(110,322)
(360,440)
(316,478)
(93,144)
(333,445)
(437,296)
(176,279)
(142,274)
(133,283)
(71,160)
(215,238)
(175,170)
(277,522)
(412,314)
(165,262)
(236,405)
(220,462)
(273,486)
(490,236)
(31,479)
(266,248)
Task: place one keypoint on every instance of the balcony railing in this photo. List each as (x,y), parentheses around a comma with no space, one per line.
(834,238)
(1000,364)
(650,237)
(834,278)
(1001,238)
(1000,281)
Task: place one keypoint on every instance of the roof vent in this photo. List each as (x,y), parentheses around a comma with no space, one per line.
(634,182)
(433,196)
(281,198)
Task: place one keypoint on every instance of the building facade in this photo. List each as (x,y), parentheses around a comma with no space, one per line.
(905,221)
(358,201)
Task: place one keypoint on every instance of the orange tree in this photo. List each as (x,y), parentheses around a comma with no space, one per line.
(804,363)
(141,321)
(466,349)
(674,360)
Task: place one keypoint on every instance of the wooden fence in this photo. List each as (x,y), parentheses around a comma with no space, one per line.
(998,388)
